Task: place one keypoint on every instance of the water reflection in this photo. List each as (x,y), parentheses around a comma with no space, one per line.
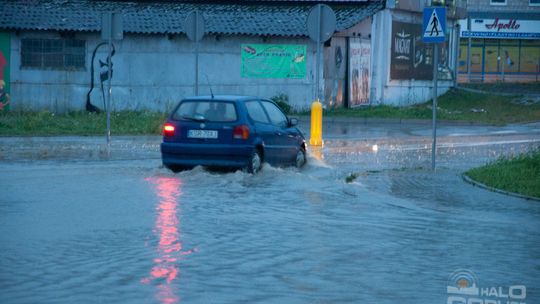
(169,248)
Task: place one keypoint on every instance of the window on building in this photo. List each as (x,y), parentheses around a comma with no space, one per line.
(491,56)
(529,58)
(534,2)
(498,2)
(61,54)
(494,56)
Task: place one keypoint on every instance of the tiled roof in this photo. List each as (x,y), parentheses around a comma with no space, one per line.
(168,17)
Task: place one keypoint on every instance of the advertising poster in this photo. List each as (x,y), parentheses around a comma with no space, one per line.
(273,61)
(359,71)
(335,73)
(412,58)
(5,99)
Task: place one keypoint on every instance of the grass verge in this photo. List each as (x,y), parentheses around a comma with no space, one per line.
(455,105)
(506,87)
(79,123)
(520,174)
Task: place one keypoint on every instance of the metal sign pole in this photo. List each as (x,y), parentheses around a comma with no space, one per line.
(109,92)
(321,24)
(434,31)
(111,28)
(318,79)
(503,62)
(469,44)
(435,78)
(194,29)
(196,68)
(196,54)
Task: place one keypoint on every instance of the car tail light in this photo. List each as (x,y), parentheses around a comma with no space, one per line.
(241,132)
(168,130)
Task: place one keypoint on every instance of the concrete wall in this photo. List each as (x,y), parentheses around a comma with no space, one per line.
(153,72)
(510,6)
(400,92)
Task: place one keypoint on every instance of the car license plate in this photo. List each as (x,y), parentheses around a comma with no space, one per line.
(212,134)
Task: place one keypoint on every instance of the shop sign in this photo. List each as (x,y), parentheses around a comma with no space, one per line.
(501,28)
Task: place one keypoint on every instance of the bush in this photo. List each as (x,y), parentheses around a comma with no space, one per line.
(282,100)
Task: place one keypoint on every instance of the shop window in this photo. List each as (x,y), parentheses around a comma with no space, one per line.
(509,54)
(491,58)
(60,54)
(462,58)
(476,59)
(497,55)
(498,2)
(529,59)
(510,59)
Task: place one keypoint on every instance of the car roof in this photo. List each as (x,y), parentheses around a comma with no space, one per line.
(223,98)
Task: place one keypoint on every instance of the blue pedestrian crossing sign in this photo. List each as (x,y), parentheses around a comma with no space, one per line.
(434,27)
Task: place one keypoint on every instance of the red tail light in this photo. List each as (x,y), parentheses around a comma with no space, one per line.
(168,130)
(241,132)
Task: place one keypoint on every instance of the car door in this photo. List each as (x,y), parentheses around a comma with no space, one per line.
(265,129)
(285,138)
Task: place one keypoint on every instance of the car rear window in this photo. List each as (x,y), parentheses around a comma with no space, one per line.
(211,110)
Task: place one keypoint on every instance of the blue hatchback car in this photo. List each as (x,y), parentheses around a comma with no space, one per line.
(231,132)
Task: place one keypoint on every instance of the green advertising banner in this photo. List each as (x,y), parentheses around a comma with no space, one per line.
(5,49)
(273,61)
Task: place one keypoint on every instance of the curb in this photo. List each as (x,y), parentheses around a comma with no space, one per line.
(395,121)
(78,148)
(497,190)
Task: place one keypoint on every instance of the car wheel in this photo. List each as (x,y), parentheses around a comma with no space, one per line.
(255,162)
(300,158)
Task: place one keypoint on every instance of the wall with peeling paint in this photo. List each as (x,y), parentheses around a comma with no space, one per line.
(152,72)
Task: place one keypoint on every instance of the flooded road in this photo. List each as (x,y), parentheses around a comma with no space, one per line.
(128,231)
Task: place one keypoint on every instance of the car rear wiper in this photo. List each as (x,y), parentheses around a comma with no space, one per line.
(196,117)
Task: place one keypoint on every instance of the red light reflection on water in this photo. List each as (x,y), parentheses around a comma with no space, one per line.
(166,268)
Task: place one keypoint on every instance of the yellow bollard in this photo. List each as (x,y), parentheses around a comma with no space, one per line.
(316,124)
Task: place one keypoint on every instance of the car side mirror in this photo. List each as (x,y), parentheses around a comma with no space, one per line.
(293,122)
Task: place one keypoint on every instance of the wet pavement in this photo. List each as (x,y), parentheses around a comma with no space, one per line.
(79,224)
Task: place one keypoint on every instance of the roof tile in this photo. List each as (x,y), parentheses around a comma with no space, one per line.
(167,17)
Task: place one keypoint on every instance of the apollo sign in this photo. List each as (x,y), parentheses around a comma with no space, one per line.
(512,24)
(501,28)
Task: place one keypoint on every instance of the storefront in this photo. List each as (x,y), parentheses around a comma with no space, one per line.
(500,49)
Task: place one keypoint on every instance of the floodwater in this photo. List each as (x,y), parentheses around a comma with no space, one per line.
(128,231)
